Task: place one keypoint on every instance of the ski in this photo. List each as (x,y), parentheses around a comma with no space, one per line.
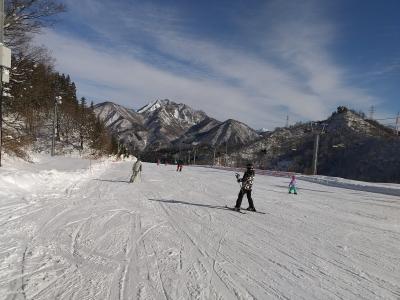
(233,209)
(257,212)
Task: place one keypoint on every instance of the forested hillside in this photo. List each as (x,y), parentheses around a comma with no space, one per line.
(29,99)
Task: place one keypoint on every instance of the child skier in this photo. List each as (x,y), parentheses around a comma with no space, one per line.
(292,186)
(136,169)
(247,185)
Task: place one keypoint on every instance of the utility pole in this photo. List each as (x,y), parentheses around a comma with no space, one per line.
(315,156)
(5,64)
(316,148)
(57,100)
(371,112)
(1,76)
(213,162)
(226,153)
(397,123)
(287,121)
(53,138)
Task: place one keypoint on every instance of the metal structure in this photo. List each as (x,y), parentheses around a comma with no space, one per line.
(316,148)
(57,100)
(213,163)
(315,155)
(2,21)
(5,64)
(1,75)
(371,112)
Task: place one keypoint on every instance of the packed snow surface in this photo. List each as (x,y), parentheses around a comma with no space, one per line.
(76,229)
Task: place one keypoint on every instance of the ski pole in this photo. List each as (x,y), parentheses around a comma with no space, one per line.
(237,178)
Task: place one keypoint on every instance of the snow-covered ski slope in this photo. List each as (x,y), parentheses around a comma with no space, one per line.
(71,230)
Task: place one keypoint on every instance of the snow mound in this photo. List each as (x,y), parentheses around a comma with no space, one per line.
(380,188)
(55,174)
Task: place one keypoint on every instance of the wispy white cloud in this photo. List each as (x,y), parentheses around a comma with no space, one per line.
(389,68)
(135,82)
(293,73)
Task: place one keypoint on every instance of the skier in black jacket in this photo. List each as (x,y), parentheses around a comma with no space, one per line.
(247,185)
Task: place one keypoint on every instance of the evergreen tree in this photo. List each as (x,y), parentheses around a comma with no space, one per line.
(34,86)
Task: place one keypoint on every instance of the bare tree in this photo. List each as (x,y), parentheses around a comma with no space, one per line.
(25,17)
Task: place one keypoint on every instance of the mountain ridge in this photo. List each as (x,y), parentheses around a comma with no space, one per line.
(163,124)
(350,146)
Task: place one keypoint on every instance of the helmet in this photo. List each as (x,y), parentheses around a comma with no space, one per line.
(250,166)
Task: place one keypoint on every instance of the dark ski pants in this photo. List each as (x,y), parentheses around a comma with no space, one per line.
(240,198)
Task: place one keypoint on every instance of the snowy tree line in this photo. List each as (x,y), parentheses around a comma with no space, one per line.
(29,97)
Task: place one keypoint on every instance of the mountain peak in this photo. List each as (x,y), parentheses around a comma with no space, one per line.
(154,105)
(162,123)
(170,113)
(351,120)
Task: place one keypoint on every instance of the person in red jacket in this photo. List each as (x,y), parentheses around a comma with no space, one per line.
(179,166)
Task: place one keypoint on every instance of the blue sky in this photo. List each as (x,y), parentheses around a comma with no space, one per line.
(254,61)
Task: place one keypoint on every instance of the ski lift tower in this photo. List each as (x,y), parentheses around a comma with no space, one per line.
(316,148)
(5,65)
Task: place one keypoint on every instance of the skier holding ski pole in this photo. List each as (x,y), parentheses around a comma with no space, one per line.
(247,185)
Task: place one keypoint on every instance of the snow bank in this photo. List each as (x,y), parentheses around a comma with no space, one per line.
(57,173)
(381,188)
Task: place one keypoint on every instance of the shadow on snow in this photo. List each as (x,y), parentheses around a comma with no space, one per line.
(108,180)
(189,203)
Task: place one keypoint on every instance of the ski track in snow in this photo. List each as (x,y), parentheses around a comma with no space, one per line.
(168,236)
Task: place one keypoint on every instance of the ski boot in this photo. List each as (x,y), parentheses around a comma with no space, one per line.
(251,209)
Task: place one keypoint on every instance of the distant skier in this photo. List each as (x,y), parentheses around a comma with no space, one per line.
(179,166)
(293,185)
(136,170)
(247,185)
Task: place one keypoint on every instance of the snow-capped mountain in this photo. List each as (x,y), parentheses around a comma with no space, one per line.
(262,130)
(164,124)
(215,133)
(167,121)
(125,123)
(169,111)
